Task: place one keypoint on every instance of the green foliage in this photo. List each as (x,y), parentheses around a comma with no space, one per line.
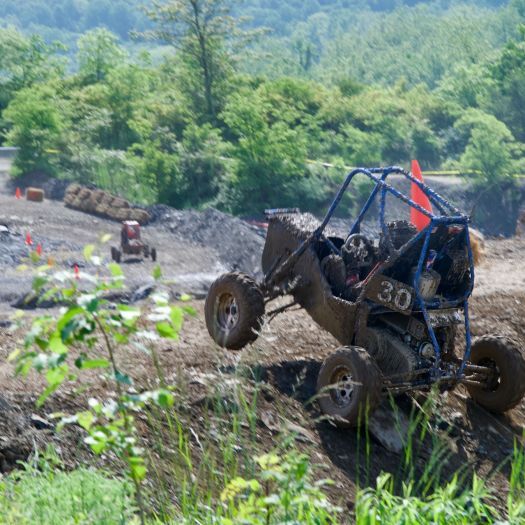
(282,492)
(36,125)
(452,504)
(490,148)
(198,30)
(88,319)
(270,156)
(507,92)
(193,129)
(23,62)
(51,496)
(98,53)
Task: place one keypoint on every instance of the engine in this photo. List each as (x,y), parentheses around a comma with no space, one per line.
(402,344)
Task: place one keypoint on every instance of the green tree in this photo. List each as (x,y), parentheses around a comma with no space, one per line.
(25,61)
(270,156)
(201,31)
(507,96)
(490,149)
(98,53)
(491,154)
(36,127)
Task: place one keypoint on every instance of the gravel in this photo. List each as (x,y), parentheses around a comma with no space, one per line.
(238,244)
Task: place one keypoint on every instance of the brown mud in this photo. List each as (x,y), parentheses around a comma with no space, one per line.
(286,357)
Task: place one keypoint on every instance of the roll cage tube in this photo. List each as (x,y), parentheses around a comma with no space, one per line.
(449,215)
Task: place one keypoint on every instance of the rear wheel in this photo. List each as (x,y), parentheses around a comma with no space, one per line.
(505,387)
(115,254)
(349,386)
(234,310)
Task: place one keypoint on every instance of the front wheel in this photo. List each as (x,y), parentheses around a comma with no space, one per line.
(349,386)
(234,310)
(505,387)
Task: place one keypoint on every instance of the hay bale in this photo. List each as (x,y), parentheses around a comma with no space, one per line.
(107,198)
(84,194)
(119,214)
(94,200)
(102,203)
(104,210)
(141,216)
(35,194)
(73,189)
(120,203)
(76,202)
(68,200)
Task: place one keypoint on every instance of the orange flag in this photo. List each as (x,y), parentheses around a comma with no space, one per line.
(419,220)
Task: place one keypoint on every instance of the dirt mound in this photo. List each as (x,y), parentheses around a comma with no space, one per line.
(238,244)
(103,204)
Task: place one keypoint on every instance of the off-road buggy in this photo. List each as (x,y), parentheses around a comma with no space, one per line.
(397,303)
(131,243)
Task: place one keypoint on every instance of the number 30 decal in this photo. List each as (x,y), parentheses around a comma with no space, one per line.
(401,297)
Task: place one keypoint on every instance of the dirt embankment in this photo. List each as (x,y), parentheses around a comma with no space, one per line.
(194,247)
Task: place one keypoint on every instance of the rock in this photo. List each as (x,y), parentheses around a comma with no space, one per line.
(4,405)
(457,418)
(270,420)
(302,434)
(238,246)
(389,427)
(40,423)
(142,293)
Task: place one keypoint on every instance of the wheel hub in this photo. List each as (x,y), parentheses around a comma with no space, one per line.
(493,377)
(344,387)
(227,312)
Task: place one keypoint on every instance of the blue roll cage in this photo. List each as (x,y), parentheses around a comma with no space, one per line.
(449,215)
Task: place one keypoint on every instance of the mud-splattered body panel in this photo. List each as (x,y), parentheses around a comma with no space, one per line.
(285,233)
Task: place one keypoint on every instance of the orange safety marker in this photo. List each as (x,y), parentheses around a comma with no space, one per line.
(39,249)
(50,261)
(18,193)
(29,240)
(419,220)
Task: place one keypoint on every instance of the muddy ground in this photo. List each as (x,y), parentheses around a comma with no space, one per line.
(286,356)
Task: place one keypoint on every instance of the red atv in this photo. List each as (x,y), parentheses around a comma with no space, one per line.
(131,243)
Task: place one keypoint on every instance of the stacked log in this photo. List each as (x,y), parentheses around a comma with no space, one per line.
(103,204)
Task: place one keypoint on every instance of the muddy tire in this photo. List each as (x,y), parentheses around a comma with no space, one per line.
(115,254)
(507,387)
(359,386)
(234,310)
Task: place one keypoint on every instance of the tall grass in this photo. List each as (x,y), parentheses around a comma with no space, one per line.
(42,493)
(207,467)
(214,473)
